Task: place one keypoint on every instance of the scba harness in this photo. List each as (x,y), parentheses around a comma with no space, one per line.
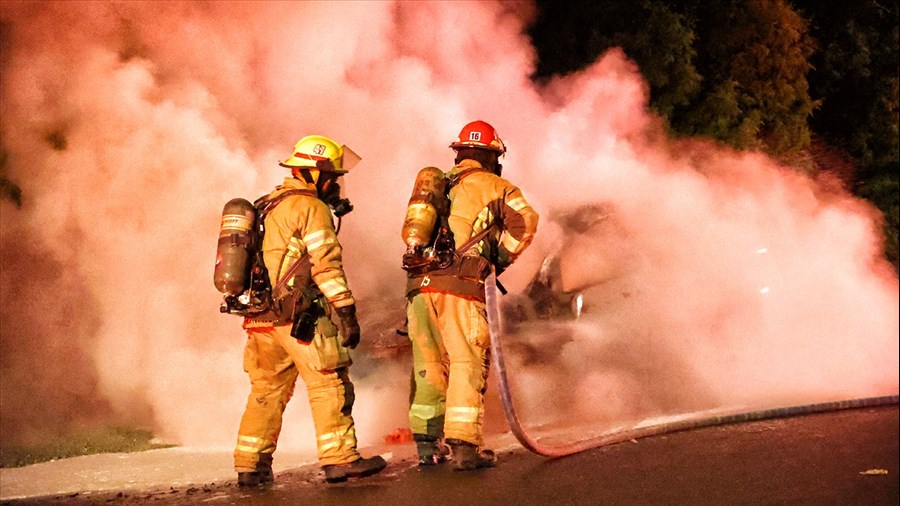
(291,300)
(439,265)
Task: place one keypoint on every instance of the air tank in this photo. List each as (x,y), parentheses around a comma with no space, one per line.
(426,202)
(236,236)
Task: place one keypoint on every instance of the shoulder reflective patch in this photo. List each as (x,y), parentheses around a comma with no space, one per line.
(319,238)
(518,204)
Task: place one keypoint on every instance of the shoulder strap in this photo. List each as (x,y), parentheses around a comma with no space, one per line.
(456,178)
(476,238)
(292,271)
(264,206)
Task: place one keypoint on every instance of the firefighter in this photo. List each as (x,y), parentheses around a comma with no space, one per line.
(491,224)
(301,226)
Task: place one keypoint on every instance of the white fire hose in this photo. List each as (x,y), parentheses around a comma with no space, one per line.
(691,422)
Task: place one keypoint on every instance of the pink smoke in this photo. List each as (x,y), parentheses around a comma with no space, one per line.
(168,111)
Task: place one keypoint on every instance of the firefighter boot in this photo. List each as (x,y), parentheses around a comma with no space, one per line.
(356,469)
(263,474)
(467,456)
(431,450)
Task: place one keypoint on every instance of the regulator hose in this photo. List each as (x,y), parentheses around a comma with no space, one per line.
(685,423)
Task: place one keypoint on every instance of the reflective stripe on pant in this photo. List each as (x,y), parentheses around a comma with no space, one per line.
(450,343)
(274,359)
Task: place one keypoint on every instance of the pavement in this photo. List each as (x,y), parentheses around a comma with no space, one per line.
(847,456)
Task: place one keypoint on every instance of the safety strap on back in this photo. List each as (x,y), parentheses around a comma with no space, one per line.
(265,205)
(455,180)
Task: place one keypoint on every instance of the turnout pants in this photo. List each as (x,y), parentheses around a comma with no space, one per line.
(451,360)
(274,359)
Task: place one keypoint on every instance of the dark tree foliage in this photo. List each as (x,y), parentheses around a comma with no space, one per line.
(571,35)
(728,69)
(754,60)
(765,74)
(856,73)
(884,191)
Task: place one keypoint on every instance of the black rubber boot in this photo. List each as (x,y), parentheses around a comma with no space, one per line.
(248,479)
(467,456)
(356,469)
(262,476)
(431,450)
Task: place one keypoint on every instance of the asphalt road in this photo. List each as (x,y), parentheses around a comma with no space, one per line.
(847,457)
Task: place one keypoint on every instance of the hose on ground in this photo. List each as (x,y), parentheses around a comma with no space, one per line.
(686,423)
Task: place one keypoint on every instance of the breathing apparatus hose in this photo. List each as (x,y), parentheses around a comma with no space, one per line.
(684,423)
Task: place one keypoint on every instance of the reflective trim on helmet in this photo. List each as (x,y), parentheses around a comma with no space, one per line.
(310,157)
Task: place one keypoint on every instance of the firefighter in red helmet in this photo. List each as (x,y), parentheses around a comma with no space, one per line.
(310,336)
(491,224)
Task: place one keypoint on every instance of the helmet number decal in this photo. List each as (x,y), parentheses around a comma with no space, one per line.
(475,136)
(319,149)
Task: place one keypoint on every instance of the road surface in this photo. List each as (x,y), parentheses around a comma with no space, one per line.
(845,457)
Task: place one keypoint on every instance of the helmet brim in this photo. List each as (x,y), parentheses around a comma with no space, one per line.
(295,162)
(460,145)
(302,163)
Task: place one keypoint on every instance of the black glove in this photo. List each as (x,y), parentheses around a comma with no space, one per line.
(403,330)
(349,325)
(502,260)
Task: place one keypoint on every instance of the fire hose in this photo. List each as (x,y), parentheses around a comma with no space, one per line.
(686,423)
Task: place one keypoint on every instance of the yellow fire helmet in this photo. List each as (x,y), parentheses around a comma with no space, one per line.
(320,152)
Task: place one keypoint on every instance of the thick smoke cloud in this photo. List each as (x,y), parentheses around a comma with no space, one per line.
(715,277)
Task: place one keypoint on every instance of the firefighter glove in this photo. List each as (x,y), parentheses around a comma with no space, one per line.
(349,325)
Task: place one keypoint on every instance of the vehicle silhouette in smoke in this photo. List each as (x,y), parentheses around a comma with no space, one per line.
(551,294)
(544,298)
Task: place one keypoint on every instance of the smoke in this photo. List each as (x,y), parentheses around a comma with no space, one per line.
(129,125)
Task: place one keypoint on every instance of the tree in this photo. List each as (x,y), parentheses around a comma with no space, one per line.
(727,69)
(571,35)
(754,62)
(856,72)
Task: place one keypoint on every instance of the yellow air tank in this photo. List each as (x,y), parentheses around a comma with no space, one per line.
(236,236)
(427,200)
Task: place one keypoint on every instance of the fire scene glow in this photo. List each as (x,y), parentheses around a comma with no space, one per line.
(167,113)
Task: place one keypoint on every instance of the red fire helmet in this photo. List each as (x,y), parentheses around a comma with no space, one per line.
(479,134)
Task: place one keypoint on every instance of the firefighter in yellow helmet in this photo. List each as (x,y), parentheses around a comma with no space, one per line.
(491,224)
(301,251)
